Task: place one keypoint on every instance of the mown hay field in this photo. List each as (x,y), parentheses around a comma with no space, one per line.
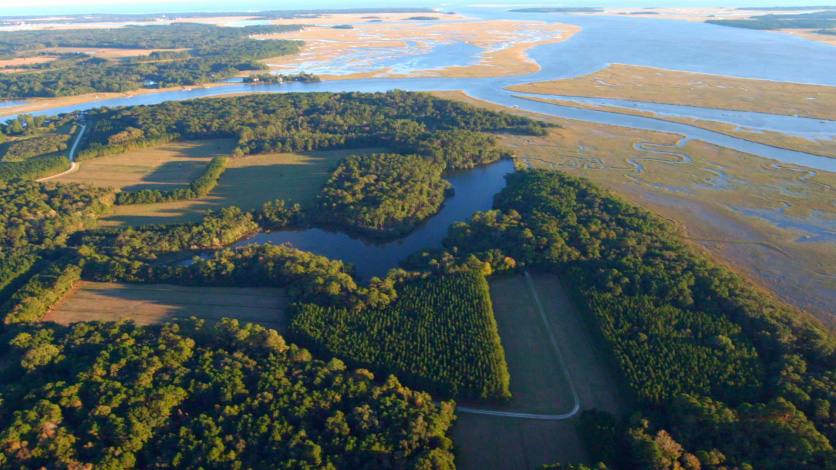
(147,304)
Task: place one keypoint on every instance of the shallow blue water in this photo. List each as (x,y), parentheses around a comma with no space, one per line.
(818,228)
(9,104)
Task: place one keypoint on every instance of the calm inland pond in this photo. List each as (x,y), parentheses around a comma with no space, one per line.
(474,192)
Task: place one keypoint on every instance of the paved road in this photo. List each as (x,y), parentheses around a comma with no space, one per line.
(71,156)
(563,366)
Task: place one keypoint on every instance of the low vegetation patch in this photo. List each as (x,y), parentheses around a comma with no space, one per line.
(23,149)
(31,302)
(637,83)
(248,182)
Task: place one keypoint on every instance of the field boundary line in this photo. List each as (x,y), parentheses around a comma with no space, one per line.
(192,304)
(563,366)
(171,317)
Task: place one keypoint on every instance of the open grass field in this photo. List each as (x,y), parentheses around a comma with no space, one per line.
(538,382)
(11,65)
(147,304)
(824,146)
(248,183)
(105,52)
(631,82)
(784,244)
(162,167)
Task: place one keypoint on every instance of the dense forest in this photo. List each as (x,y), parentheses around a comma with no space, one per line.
(213,53)
(409,122)
(34,168)
(382,195)
(188,396)
(722,371)
(34,216)
(36,220)
(440,335)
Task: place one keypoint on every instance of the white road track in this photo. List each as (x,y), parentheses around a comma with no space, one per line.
(73,164)
(563,366)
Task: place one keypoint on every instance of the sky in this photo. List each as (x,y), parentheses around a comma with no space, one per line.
(49,7)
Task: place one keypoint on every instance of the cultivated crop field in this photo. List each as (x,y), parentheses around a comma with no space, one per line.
(248,183)
(147,304)
(162,167)
(539,384)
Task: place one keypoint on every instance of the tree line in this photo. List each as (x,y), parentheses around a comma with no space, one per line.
(198,188)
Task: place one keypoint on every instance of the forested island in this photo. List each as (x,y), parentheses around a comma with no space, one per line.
(825,20)
(384,195)
(717,373)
